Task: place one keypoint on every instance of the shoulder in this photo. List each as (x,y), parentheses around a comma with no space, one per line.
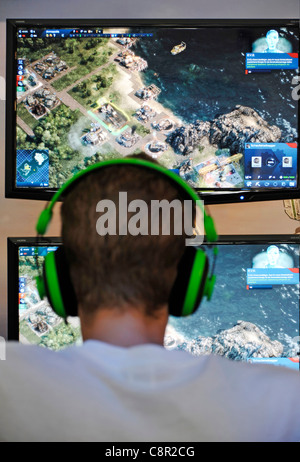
(257,380)
(24,359)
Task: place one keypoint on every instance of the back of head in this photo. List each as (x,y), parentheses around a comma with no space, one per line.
(113,270)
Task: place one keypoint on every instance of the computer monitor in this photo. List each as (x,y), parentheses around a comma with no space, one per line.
(30,319)
(253,315)
(214,100)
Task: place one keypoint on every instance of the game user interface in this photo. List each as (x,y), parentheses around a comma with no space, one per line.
(253,315)
(217,105)
(38,324)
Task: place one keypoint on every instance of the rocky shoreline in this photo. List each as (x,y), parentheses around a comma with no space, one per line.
(230,131)
(242,341)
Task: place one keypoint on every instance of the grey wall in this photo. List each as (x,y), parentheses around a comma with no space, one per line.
(18,217)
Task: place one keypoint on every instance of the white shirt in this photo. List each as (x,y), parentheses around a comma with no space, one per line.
(101,392)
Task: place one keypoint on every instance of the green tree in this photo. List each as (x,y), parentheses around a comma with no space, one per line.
(21,137)
(71,45)
(46,136)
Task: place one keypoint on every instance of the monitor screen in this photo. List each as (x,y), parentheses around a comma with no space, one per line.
(253,315)
(32,320)
(216,102)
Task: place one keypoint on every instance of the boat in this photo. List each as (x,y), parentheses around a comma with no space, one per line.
(178,48)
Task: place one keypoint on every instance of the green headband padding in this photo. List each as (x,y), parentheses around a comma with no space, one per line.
(193,287)
(51,275)
(43,221)
(46,215)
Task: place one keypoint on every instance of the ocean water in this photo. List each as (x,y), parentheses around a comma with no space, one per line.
(274,311)
(208,78)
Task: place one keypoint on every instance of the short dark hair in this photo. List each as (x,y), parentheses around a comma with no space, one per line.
(119,271)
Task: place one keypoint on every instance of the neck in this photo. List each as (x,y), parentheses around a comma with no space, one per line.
(125,328)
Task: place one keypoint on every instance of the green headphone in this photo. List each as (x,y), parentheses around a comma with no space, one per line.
(194,279)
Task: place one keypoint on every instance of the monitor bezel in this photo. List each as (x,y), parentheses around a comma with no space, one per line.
(211,196)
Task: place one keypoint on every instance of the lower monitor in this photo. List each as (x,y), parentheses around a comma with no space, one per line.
(253,315)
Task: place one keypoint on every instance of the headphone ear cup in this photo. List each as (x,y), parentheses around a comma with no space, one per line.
(58,286)
(188,288)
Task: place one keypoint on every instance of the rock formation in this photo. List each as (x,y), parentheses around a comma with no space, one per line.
(231,131)
(244,340)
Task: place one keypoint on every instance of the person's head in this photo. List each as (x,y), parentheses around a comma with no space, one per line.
(273,255)
(119,272)
(272,38)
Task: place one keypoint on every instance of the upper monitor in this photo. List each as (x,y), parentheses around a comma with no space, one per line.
(215,101)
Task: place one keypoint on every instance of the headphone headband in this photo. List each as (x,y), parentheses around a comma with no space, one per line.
(46,214)
(193,282)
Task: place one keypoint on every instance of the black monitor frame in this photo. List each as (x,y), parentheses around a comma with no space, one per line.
(211,196)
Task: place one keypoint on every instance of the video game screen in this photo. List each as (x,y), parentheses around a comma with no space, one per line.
(253,315)
(217,105)
(38,324)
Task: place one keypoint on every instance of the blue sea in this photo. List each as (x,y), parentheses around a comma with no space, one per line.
(208,78)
